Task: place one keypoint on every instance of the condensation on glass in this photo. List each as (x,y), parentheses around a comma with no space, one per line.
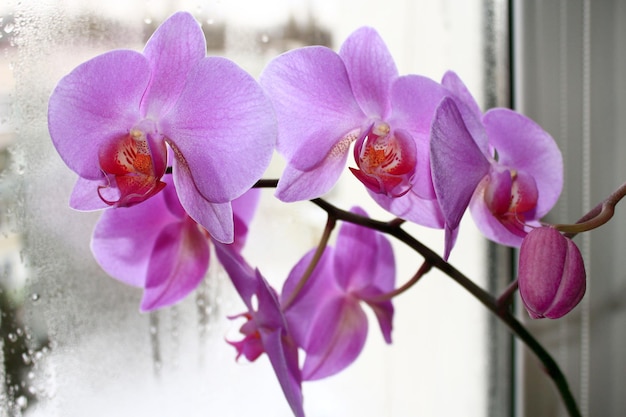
(72,340)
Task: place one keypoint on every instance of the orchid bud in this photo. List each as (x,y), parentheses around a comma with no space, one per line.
(551,274)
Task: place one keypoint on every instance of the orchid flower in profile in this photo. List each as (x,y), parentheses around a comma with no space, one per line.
(505,167)
(113,118)
(551,277)
(326,317)
(265,329)
(157,246)
(327,101)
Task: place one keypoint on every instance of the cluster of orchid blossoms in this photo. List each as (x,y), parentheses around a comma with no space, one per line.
(172,143)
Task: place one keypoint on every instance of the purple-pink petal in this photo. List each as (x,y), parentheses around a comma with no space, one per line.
(412,208)
(296,185)
(469,109)
(371,70)
(314,104)
(123,238)
(96,103)
(216,218)
(414,100)
(85,197)
(523,145)
(178,263)
(335,339)
(223,128)
(244,208)
(491,227)
(457,164)
(175,47)
(283,356)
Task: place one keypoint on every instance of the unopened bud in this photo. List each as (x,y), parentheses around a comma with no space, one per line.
(551,274)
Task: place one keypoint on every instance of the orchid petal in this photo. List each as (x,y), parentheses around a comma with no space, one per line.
(523,145)
(336,338)
(86,197)
(174,48)
(217,219)
(123,239)
(314,103)
(296,185)
(319,288)
(355,255)
(493,228)
(241,274)
(223,128)
(415,99)
(178,263)
(371,70)
(244,208)
(469,109)
(96,103)
(412,208)
(284,359)
(457,165)
(384,313)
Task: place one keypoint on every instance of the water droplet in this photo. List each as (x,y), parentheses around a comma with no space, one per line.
(147,20)
(9,28)
(34,297)
(26,358)
(12,337)
(210,21)
(265,38)
(153,330)
(21,401)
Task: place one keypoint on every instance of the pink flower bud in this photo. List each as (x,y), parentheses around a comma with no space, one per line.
(551,274)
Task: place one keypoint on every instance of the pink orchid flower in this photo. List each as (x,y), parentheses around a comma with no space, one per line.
(113,118)
(157,246)
(505,167)
(326,101)
(327,318)
(265,329)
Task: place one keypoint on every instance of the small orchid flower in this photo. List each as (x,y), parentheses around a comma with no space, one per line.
(503,165)
(551,274)
(327,318)
(265,329)
(113,118)
(326,101)
(157,246)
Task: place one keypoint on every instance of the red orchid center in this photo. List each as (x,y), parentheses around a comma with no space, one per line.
(510,195)
(134,164)
(386,160)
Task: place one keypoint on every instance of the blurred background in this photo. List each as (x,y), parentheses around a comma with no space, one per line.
(72,342)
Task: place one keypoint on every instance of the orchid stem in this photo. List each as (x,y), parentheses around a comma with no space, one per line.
(506,297)
(598,216)
(330,225)
(423,270)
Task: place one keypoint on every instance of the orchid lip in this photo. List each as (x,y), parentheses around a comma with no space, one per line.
(511,195)
(134,164)
(386,160)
